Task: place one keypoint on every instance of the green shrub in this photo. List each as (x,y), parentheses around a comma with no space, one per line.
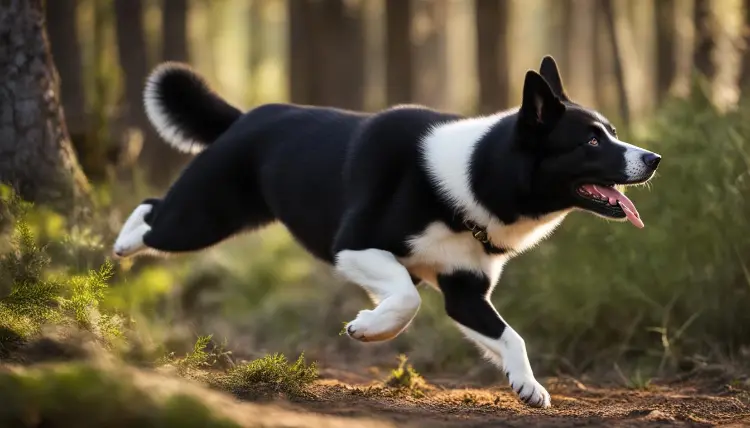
(35,292)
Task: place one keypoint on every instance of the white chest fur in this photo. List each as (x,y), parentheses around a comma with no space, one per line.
(440,250)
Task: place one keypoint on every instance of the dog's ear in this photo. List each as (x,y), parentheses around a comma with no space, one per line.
(540,108)
(551,74)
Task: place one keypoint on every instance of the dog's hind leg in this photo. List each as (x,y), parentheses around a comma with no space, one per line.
(389,284)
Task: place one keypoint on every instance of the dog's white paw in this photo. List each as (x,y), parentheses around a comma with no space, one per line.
(530,391)
(373,326)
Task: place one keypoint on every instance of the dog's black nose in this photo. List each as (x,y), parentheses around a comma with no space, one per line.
(652,160)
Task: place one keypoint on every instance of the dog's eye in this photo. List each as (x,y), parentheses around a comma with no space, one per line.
(614,132)
(593,142)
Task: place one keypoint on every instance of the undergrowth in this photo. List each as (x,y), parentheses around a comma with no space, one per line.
(268,375)
(406,379)
(34,292)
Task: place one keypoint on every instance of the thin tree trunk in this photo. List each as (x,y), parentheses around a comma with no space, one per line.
(300,73)
(327,53)
(609,20)
(174,48)
(492,54)
(704,38)
(431,55)
(131,48)
(580,46)
(174,30)
(666,24)
(36,156)
(399,61)
(66,52)
(745,66)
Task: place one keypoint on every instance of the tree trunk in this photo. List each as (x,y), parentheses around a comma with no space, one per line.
(399,62)
(704,38)
(327,53)
(745,66)
(36,156)
(174,31)
(131,48)
(492,54)
(174,48)
(580,73)
(666,28)
(609,20)
(66,53)
(300,57)
(431,65)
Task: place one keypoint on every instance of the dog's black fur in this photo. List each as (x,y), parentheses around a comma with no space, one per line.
(347,181)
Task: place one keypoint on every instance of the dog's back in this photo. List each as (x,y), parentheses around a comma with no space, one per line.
(275,162)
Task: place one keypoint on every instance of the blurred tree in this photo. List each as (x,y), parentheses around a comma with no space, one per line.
(431,54)
(36,156)
(398,46)
(174,30)
(257,42)
(745,66)
(131,48)
(327,44)
(580,48)
(608,12)
(66,52)
(666,32)
(705,36)
(174,48)
(493,55)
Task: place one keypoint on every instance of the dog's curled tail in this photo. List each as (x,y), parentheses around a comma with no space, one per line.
(185,111)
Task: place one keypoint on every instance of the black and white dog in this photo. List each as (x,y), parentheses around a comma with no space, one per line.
(405,195)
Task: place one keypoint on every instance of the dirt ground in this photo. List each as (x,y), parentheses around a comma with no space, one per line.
(348,400)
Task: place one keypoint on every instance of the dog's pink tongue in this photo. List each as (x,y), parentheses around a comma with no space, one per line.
(626,204)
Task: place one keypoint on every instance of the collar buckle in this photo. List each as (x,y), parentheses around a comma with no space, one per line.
(479,233)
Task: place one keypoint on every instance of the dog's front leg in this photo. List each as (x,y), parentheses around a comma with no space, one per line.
(389,285)
(467,302)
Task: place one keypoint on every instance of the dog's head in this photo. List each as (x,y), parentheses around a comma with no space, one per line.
(578,160)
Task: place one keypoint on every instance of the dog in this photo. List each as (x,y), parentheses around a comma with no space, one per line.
(393,198)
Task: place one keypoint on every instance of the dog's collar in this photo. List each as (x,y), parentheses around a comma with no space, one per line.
(480,234)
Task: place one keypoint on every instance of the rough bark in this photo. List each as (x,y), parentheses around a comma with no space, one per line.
(704,38)
(399,59)
(36,156)
(492,54)
(666,31)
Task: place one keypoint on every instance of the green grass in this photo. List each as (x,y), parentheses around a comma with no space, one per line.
(406,379)
(272,374)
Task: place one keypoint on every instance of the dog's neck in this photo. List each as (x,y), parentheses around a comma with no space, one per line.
(448,150)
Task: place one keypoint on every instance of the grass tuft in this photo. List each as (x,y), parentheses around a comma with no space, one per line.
(406,379)
(271,374)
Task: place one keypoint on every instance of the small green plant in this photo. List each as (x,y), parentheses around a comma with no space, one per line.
(199,358)
(270,374)
(34,292)
(405,378)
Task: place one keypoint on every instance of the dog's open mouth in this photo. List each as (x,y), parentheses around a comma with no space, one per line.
(609,202)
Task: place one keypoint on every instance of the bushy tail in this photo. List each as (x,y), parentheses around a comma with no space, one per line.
(185,111)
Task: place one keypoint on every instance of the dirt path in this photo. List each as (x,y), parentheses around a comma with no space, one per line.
(573,405)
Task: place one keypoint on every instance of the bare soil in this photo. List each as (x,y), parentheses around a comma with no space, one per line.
(349,400)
